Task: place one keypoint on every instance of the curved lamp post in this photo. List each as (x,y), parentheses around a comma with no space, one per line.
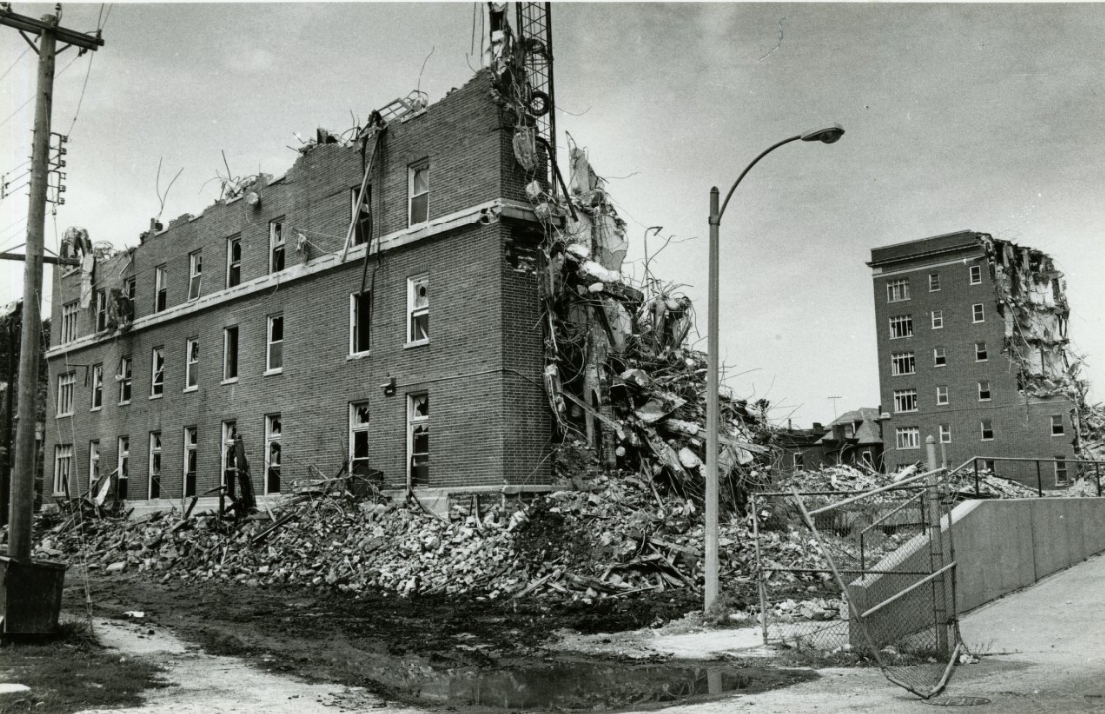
(827,135)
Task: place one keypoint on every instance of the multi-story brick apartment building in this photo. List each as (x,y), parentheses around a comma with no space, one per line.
(971,342)
(418,356)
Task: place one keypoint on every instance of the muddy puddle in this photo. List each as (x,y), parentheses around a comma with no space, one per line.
(590,685)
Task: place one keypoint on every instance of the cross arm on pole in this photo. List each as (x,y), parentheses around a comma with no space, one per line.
(69,37)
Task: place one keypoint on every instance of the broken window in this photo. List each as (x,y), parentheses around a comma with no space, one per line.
(902,363)
(69,322)
(945,433)
(233,260)
(191,459)
(987,426)
(155,464)
(1061,478)
(230,353)
(1057,425)
(276,245)
(101,310)
(130,288)
(123,466)
(901,326)
(362,219)
(191,364)
(66,383)
(229,462)
(157,372)
(273,431)
(418,189)
(124,380)
(980,352)
(418,309)
(934,282)
(897,290)
(908,437)
(360,322)
(941,395)
(937,319)
(97,386)
(195,274)
(905,400)
(978,313)
(93,462)
(939,357)
(984,391)
(274,360)
(161,289)
(976,274)
(797,460)
(358,439)
(418,439)
(63,466)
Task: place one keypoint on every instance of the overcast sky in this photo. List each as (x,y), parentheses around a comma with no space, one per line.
(987,117)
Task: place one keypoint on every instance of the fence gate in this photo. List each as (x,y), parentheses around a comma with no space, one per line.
(869,572)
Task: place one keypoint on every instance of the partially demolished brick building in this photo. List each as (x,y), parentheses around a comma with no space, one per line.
(374,309)
(973,350)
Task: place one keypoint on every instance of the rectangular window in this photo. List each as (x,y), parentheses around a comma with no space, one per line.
(941,395)
(69,322)
(937,319)
(934,282)
(908,437)
(976,274)
(191,460)
(1061,478)
(161,288)
(939,357)
(101,310)
(63,468)
(123,468)
(191,364)
(358,439)
(362,219)
(418,189)
(274,359)
(978,313)
(418,439)
(124,380)
(987,429)
(130,289)
(980,352)
(418,309)
(233,260)
(273,431)
(276,245)
(902,363)
(360,322)
(66,384)
(155,464)
(157,372)
(797,460)
(195,274)
(230,353)
(897,290)
(1057,425)
(901,326)
(905,400)
(97,386)
(984,391)
(229,461)
(93,463)
(945,433)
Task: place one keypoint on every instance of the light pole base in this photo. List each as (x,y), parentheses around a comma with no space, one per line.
(30,596)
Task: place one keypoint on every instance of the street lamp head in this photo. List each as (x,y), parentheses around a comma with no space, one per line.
(828,135)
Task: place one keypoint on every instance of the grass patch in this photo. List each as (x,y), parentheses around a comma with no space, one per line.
(71,672)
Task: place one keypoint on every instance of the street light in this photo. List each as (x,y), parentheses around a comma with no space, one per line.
(827,135)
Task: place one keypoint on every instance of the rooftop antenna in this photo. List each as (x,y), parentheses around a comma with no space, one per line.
(833,400)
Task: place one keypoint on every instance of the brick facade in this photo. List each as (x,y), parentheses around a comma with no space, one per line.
(1022,426)
(482,366)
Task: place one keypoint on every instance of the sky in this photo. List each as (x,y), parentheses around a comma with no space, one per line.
(982,117)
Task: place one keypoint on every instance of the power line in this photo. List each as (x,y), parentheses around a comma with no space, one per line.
(80,101)
(8,71)
(32,97)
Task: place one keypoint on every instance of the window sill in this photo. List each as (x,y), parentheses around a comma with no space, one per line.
(191,389)
(96,409)
(903,337)
(938,366)
(125,404)
(358,355)
(62,416)
(942,404)
(938,327)
(156,396)
(1058,435)
(984,400)
(981,360)
(232,380)
(909,448)
(270,372)
(418,343)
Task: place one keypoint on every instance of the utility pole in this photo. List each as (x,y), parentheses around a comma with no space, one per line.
(23,477)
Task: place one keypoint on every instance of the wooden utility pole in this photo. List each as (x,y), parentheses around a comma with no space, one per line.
(23,476)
